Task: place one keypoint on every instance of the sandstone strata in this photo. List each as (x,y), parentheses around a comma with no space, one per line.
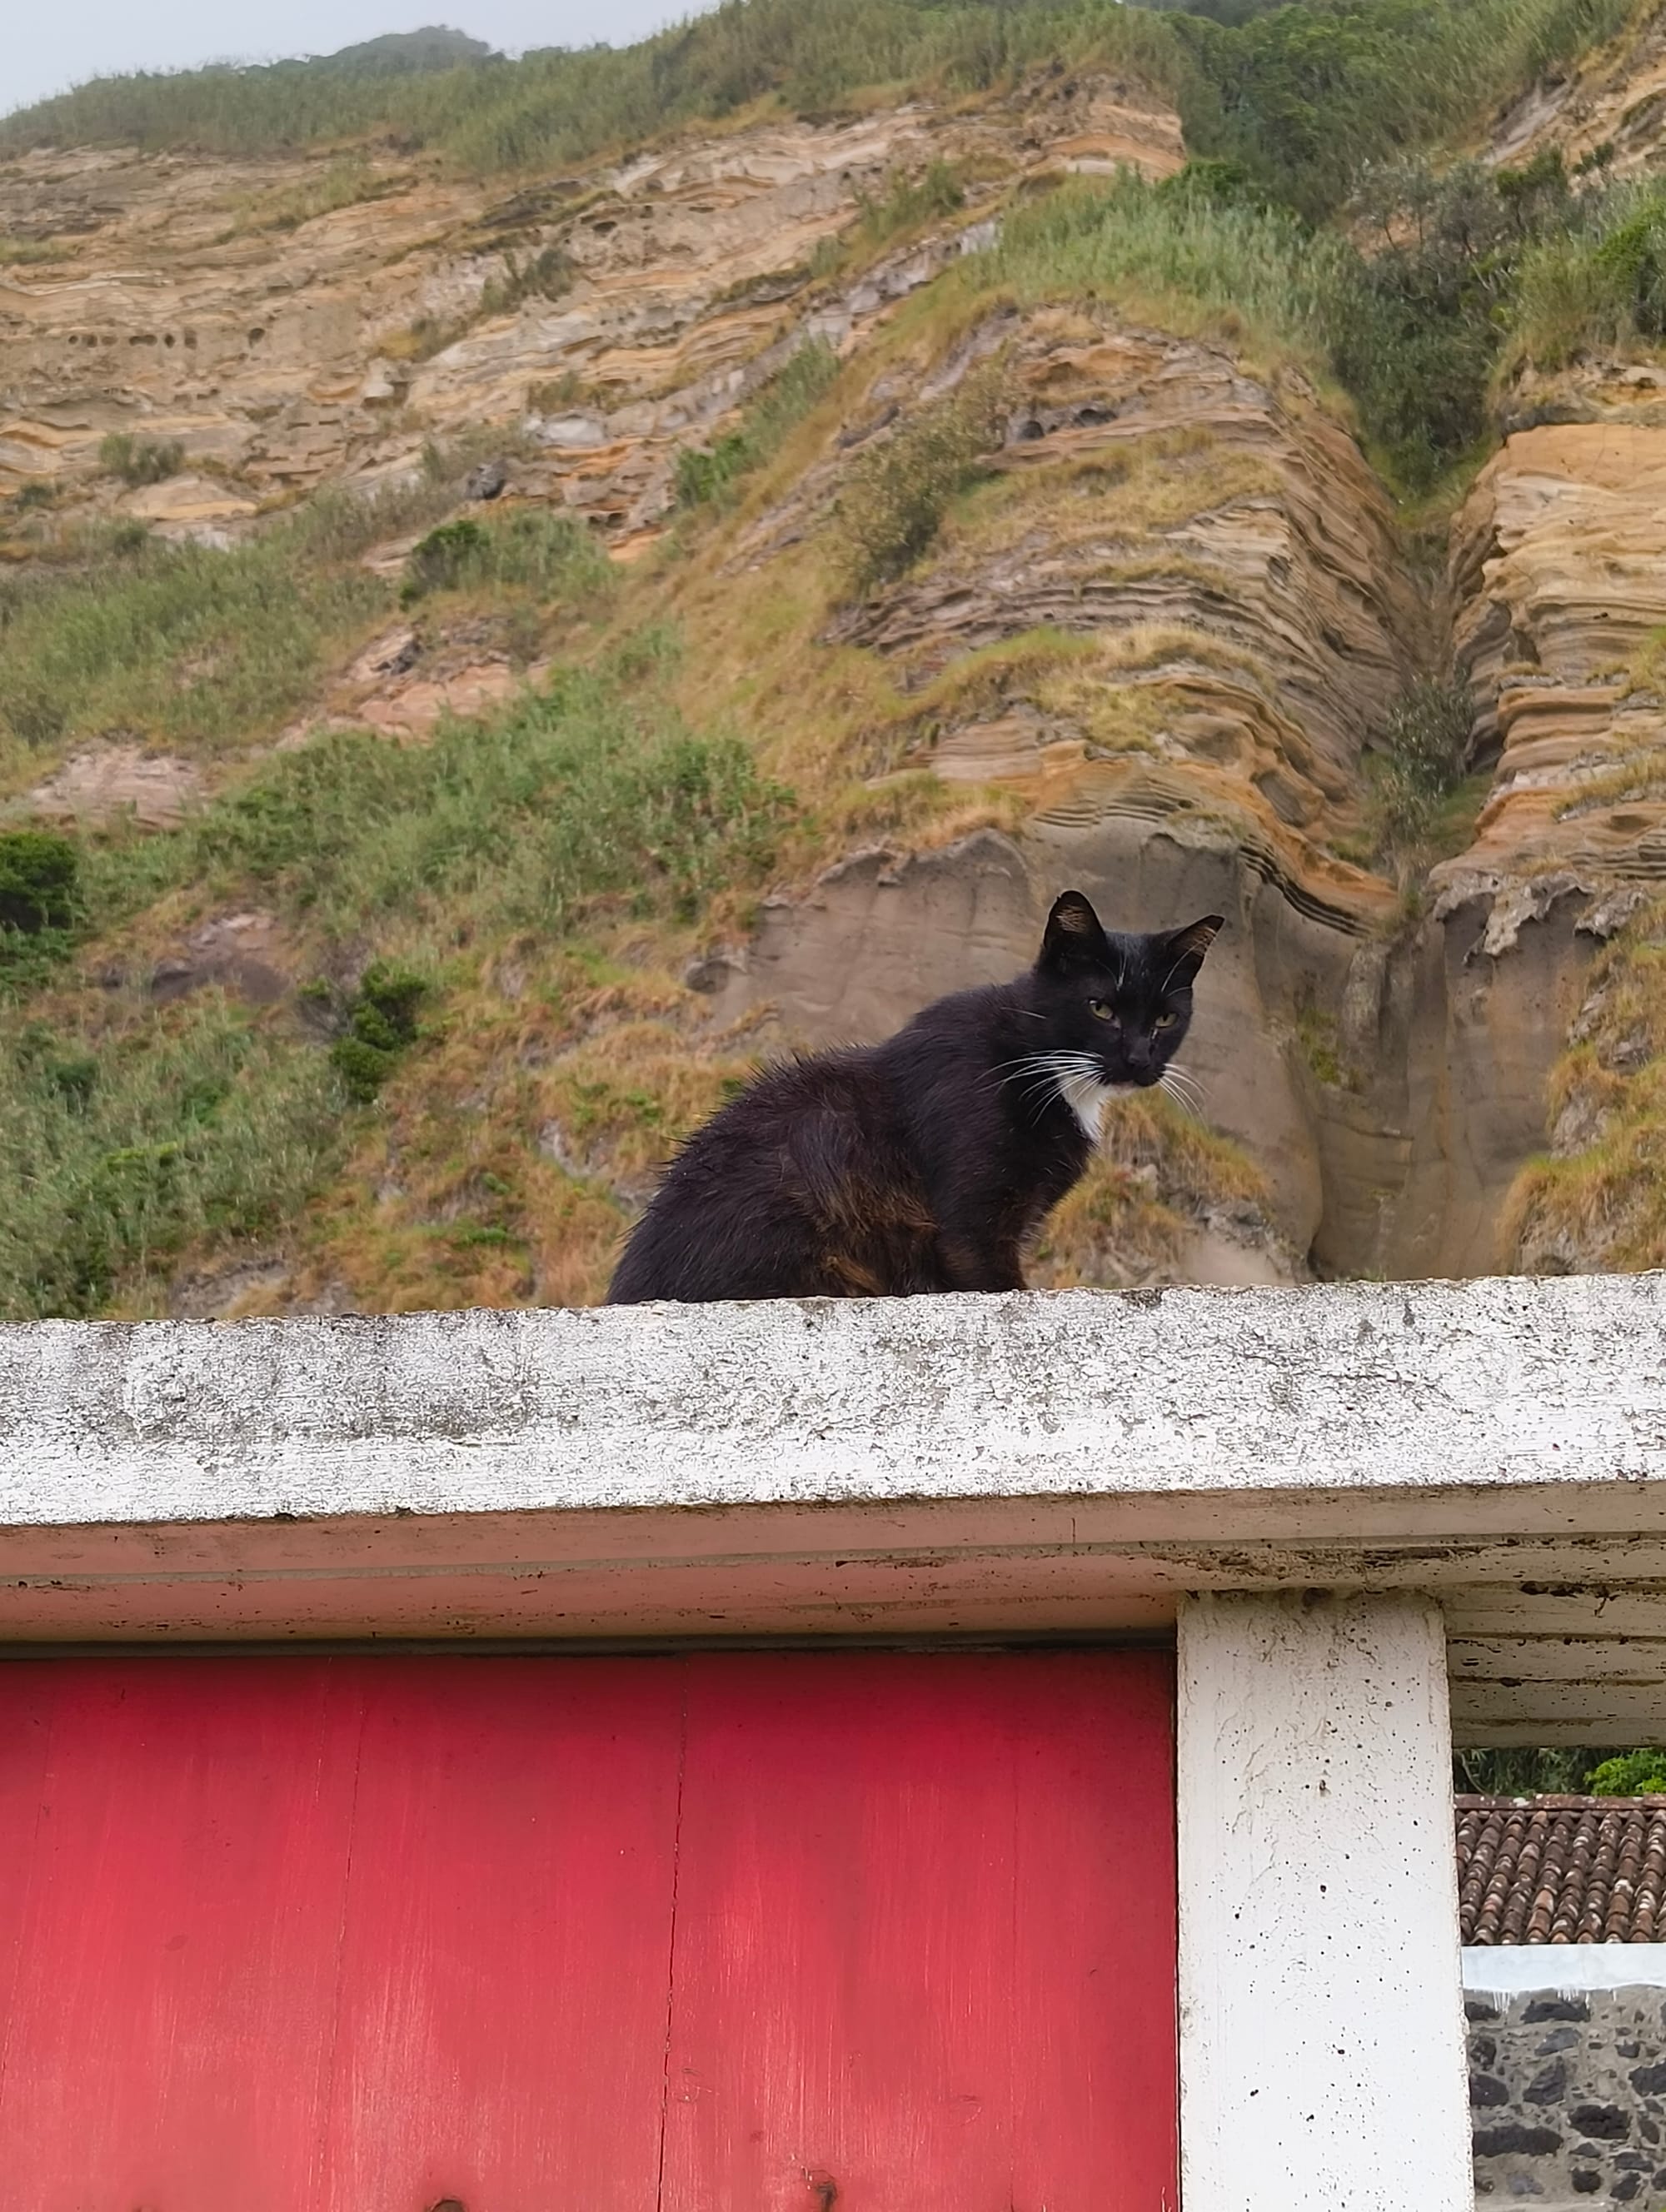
(611,316)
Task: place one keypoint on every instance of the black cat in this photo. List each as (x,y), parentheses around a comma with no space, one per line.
(922,1163)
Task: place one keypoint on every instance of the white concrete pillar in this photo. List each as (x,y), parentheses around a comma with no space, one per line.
(1321,2050)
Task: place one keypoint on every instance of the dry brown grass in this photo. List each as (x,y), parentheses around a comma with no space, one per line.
(1600,1205)
(1133,1213)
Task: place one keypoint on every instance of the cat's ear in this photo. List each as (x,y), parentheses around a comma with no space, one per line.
(1074,938)
(1184,948)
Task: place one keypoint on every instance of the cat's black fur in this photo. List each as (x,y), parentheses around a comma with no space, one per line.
(925,1163)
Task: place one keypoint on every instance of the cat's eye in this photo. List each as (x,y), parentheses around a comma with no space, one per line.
(1103,1008)
(1166,1021)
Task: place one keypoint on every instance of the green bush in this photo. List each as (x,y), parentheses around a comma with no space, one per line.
(382,1025)
(912,201)
(38,881)
(1420,757)
(548,275)
(1596,287)
(1632,1774)
(140,460)
(543,550)
(1305,96)
(900,491)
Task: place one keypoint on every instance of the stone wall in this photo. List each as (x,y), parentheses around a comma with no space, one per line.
(1568,2097)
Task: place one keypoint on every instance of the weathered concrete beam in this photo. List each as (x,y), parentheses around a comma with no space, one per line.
(1044,1465)
(1367,1388)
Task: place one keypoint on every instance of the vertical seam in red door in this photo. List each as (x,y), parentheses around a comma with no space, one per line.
(327,2102)
(670,1944)
(10,2015)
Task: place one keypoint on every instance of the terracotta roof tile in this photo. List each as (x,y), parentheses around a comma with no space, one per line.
(1562,1869)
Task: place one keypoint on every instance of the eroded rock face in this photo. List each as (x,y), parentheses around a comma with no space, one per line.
(1615,98)
(283,357)
(1206,614)
(1560,568)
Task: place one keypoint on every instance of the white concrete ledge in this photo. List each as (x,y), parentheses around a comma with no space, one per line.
(963,1465)
(1088,1393)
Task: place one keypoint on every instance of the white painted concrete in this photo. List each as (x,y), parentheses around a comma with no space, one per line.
(961,1467)
(1323,2062)
(1510,1970)
(1358,1387)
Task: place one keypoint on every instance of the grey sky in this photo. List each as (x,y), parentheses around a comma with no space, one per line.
(54,43)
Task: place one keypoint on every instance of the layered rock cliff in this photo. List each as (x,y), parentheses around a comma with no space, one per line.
(1152,640)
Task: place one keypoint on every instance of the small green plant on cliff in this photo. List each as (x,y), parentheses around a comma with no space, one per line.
(381,1026)
(140,460)
(912,202)
(549,553)
(900,491)
(709,475)
(547,275)
(1418,762)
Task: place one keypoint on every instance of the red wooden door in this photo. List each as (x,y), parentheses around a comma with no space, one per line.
(747,1933)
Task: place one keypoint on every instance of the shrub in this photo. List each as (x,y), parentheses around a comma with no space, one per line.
(548,275)
(381,1026)
(1596,288)
(540,550)
(912,201)
(1304,96)
(39,874)
(899,491)
(140,460)
(1421,754)
(1631,1774)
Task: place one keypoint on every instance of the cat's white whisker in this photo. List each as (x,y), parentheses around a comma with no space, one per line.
(1180,1099)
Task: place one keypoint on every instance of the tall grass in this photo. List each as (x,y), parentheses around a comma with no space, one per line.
(523,822)
(1305,96)
(1132,243)
(563,106)
(1599,287)
(120,1146)
(186,644)
(116,1152)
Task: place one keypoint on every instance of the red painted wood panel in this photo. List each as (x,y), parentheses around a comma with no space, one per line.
(925,1951)
(507,1954)
(696,1934)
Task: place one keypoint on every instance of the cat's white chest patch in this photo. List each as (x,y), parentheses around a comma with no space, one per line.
(1087,1100)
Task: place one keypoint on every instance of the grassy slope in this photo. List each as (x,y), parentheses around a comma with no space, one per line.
(544,876)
